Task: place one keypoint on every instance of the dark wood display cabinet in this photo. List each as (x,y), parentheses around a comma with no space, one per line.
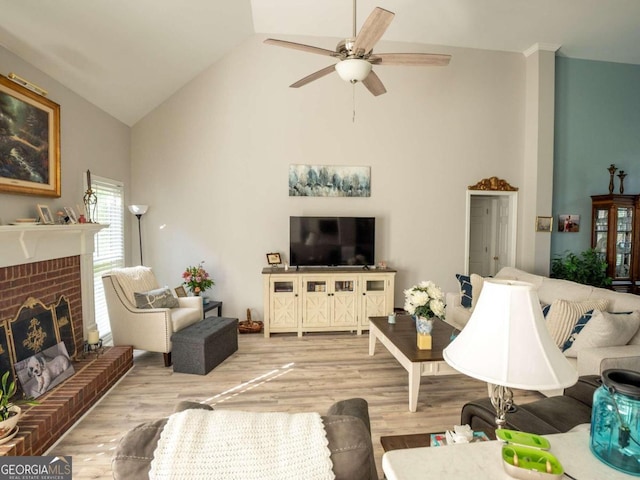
(614,234)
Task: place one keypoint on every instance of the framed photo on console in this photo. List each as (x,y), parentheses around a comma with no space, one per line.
(273,259)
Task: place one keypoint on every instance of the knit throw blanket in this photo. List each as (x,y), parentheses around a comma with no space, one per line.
(233,445)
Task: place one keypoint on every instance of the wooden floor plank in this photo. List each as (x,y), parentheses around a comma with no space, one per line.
(282,373)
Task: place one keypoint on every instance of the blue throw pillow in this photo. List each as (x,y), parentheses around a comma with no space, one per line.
(582,321)
(545,310)
(465,289)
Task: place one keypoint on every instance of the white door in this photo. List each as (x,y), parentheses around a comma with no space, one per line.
(503,246)
(480,235)
(490,242)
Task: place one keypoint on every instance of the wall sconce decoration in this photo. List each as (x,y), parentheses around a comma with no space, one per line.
(621,176)
(90,201)
(612,170)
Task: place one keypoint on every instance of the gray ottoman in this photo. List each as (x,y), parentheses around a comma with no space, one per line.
(204,345)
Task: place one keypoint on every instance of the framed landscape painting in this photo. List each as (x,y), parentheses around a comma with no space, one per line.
(29,142)
(329,181)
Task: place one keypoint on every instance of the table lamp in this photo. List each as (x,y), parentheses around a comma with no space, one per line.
(506,344)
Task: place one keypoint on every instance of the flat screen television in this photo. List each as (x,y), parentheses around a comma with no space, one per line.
(331,241)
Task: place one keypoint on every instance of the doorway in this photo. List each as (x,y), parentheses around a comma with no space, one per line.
(490,231)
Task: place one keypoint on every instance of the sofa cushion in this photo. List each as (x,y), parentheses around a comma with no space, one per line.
(582,321)
(606,330)
(466,292)
(635,340)
(157,298)
(476,287)
(564,314)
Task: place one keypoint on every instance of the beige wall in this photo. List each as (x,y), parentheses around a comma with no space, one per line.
(212,161)
(89,137)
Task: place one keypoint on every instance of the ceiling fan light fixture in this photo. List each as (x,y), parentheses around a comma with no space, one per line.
(353,69)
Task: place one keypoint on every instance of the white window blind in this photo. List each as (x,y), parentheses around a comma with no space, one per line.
(109,246)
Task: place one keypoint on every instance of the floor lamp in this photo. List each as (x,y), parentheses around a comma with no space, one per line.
(138,211)
(506,344)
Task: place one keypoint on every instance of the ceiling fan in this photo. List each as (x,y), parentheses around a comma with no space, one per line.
(356,56)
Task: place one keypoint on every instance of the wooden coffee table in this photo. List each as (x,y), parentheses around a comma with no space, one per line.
(401,341)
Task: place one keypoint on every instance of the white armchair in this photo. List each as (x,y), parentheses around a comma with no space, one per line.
(147,329)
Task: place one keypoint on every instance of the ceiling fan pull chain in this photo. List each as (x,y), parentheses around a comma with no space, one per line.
(353,119)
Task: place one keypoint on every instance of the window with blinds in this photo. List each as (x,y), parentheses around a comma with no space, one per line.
(109,243)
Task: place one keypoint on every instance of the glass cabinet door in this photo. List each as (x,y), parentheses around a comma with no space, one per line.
(601,219)
(624,224)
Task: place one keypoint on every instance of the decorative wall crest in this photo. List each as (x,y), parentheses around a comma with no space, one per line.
(494,184)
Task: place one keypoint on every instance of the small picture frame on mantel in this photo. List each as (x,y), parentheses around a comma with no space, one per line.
(45,215)
(71,215)
(274,259)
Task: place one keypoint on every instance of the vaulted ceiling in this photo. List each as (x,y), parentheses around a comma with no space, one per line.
(128,56)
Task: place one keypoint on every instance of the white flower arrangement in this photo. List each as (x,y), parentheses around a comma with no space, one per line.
(424,300)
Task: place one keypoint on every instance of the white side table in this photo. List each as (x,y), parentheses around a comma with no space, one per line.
(482,461)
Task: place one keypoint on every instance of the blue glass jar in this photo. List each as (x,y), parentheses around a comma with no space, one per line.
(615,421)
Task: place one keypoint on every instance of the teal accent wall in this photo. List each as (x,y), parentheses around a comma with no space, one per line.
(597,123)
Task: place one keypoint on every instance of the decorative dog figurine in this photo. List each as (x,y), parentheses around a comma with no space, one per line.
(45,370)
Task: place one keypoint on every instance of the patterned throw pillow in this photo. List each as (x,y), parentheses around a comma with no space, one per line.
(582,321)
(158,298)
(545,310)
(564,315)
(606,330)
(465,290)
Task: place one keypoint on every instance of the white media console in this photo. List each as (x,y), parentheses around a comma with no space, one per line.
(325,299)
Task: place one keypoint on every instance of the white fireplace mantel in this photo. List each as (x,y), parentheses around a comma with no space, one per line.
(20,244)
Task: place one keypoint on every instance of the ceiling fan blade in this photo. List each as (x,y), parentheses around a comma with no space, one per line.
(314,76)
(374,84)
(300,46)
(372,30)
(410,59)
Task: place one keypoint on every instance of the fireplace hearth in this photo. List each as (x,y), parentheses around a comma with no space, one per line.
(50,262)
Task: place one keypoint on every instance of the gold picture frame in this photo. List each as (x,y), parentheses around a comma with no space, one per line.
(544,224)
(29,150)
(180,291)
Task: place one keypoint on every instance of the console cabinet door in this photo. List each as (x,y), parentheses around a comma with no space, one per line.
(344,301)
(316,307)
(377,297)
(283,304)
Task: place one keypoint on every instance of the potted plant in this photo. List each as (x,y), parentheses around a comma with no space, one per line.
(588,268)
(9,410)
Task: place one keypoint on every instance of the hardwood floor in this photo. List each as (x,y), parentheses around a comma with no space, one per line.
(282,373)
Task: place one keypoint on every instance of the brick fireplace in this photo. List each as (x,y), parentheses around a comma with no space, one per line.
(45,262)
(46,281)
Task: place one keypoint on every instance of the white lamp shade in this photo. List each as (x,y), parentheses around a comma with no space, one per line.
(507,343)
(138,209)
(353,69)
